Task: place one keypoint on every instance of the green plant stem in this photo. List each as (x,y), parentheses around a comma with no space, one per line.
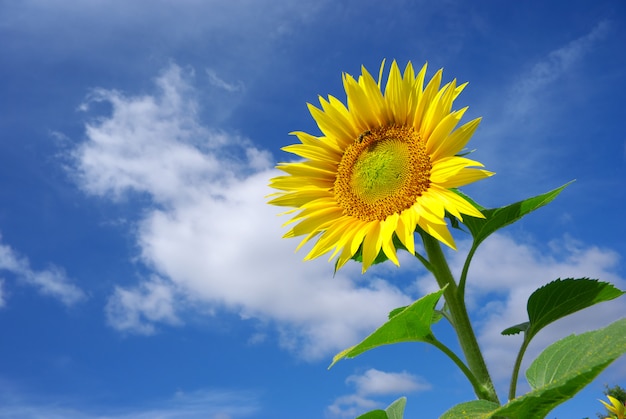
(516,367)
(483,386)
(466,265)
(458,361)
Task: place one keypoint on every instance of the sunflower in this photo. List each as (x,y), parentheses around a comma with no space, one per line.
(618,409)
(386,164)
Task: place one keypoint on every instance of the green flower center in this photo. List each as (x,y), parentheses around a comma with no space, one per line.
(383,172)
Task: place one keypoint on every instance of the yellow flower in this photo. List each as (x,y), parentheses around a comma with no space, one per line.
(618,408)
(384,165)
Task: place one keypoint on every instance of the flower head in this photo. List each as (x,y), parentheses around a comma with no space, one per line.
(616,407)
(385,165)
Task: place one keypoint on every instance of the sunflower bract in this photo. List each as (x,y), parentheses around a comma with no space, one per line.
(384,165)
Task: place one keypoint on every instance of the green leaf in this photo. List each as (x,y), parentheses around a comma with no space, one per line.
(374,414)
(554,301)
(476,409)
(497,218)
(394,411)
(561,298)
(559,372)
(564,368)
(410,325)
(576,354)
(438,315)
(396,311)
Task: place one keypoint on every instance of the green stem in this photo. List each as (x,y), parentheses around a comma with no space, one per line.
(483,386)
(424,261)
(516,367)
(466,265)
(458,361)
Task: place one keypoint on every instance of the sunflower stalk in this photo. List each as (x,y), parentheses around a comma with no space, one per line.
(482,383)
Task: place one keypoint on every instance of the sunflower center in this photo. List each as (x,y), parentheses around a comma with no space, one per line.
(382,172)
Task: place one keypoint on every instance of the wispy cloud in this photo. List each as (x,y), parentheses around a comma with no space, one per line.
(2,293)
(223,22)
(218,82)
(529,88)
(370,384)
(52,281)
(530,130)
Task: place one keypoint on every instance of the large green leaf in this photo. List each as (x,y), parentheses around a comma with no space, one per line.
(497,218)
(476,409)
(560,371)
(565,368)
(576,355)
(410,325)
(561,298)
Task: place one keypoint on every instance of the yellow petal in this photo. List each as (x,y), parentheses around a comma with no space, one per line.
(371,245)
(387,229)
(447,167)
(328,238)
(425,100)
(437,141)
(466,176)
(330,127)
(405,231)
(299,198)
(457,140)
(455,204)
(438,231)
(329,144)
(396,95)
(312,152)
(439,107)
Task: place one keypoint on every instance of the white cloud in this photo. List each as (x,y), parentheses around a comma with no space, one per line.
(137,309)
(211,234)
(149,144)
(374,383)
(51,282)
(229,251)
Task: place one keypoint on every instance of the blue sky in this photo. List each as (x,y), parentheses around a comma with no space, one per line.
(142,275)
